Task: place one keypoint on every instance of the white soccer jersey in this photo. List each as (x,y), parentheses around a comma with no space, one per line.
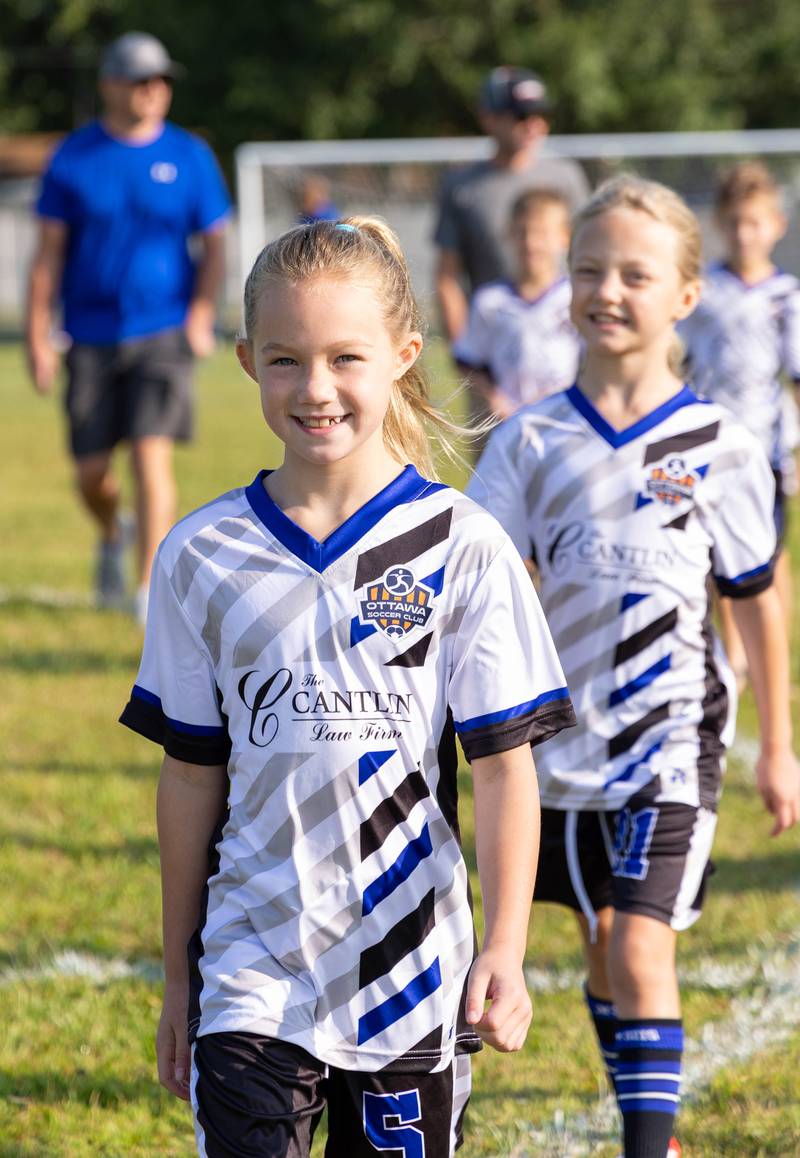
(627,528)
(528,348)
(739,341)
(329,677)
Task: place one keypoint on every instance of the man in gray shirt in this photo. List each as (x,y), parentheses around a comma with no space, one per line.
(472,230)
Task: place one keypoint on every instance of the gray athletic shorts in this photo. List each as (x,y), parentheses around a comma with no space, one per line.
(649,858)
(130,390)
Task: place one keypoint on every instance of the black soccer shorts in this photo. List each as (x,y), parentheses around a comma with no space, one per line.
(648,858)
(131,390)
(255,1097)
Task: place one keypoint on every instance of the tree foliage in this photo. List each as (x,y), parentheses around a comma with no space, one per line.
(369,68)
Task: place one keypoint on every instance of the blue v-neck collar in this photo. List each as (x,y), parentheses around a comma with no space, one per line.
(408,485)
(618,438)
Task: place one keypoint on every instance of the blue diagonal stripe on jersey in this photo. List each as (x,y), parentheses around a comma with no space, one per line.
(359,630)
(391,1010)
(643,680)
(629,769)
(642,501)
(435,581)
(370,762)
(630,600)
(414,852)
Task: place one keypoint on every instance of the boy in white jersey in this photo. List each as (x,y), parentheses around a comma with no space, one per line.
(519,343)
(632,495)
(315,642)
(743,343)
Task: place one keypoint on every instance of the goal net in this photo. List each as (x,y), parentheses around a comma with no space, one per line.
(400,179)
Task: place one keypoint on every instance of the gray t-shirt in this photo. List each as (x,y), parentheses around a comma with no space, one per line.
(475,205)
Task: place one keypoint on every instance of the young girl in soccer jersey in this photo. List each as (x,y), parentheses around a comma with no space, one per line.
(520,344)
(633,495)
(743,342)
(315,641)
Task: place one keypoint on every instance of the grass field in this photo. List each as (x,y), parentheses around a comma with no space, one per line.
(79,904)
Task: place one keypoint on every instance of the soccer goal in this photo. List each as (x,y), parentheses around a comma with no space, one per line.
(400,179)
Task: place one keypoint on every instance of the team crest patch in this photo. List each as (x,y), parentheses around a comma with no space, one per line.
(671,482)
(397,603)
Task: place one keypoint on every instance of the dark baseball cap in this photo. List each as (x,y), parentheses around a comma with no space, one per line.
(137,56)
(514,90)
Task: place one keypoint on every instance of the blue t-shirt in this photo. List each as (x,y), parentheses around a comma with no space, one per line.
(130,210)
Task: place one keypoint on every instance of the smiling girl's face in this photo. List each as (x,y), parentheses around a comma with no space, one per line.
(326,364)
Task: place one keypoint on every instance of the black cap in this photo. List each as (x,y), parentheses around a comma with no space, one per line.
(137,56)
(514,90)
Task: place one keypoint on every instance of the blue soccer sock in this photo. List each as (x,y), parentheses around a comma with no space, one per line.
(648,1081)
(604,1015)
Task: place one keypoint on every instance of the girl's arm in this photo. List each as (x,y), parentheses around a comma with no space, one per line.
(191,799)
(761,624)
(507,845)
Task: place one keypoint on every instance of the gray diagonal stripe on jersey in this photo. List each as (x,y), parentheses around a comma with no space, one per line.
(204,546)
(599,472)
(277,769)
(288,905)
(328,800)
(581,628)
(235,584)
(261,633)
(329,646)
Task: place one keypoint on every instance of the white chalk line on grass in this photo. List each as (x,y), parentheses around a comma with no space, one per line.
(87,967)
(48,597)
(757,1021)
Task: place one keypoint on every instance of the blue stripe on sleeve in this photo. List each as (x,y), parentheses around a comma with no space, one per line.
(177,725)
(511,713)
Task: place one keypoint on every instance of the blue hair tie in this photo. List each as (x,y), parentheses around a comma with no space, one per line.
(345,227)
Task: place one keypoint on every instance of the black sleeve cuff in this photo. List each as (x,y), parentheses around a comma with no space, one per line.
(533,728)
(747,587)
(148,721)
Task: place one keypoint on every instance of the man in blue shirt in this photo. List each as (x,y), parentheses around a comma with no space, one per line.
(118,204)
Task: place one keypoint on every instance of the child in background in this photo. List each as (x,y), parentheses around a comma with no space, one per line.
(743,343)
(315,641)
(633,495)
(520,344)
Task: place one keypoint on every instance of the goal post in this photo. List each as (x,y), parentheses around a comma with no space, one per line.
(400,179)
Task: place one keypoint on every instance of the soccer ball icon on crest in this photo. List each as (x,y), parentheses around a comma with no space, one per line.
(398,581)
(395,631)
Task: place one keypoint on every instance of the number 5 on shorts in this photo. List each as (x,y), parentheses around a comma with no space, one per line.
(386,1122)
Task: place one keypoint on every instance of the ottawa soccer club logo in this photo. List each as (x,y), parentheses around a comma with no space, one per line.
(397,603)
(671,483)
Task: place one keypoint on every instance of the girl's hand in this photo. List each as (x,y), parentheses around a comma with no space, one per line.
(172,1041)
(778,781)
(498,978)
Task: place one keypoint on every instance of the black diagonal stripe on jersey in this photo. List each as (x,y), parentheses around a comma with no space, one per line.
(392,811)
(407,934)
(373,564)
(627,648)
(415,656)
(678,524)
(624,741)
(677,443)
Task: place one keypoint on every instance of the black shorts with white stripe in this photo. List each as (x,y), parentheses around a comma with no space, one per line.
(256,1097)
(648,858)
